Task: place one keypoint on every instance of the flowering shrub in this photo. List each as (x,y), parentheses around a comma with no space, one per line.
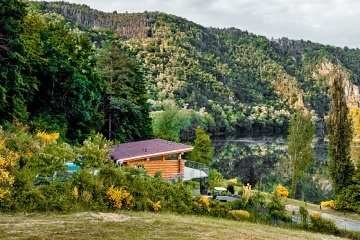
(240,214)
(8,159)
(202,204)
(48,137)
(329,203)
(322,225)
(315,216)
(233,180)
(75,192)
(156,206)
(276,208)
(204,200)
(119,197)
(282,191)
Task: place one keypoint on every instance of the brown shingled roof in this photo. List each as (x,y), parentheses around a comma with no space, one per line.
(147,149)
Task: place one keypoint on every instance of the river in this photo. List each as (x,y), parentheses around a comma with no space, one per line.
(262,161)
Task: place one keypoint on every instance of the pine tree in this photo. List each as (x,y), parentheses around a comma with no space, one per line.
(301,133)
(340,131)
(203,151)
(125,99)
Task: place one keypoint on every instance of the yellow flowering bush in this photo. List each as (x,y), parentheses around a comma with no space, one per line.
(48,137)
(315,216)
(322,225)
(204,200)
(75,192)
(233,180)
(282,191)
(329,203)
(240,214)
(156,206)
(202,204)
(119,197)
(8,159)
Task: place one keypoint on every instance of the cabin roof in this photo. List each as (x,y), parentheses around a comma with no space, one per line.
(146,149)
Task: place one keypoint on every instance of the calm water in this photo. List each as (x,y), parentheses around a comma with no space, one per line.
(262,161)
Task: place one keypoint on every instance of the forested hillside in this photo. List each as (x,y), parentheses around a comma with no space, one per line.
(241,81)
(226,80)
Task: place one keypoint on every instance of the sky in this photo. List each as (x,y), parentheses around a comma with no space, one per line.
(329,22)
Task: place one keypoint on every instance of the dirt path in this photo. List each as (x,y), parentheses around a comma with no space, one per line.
(342,222)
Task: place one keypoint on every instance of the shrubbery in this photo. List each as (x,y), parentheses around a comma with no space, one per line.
(240,214)
(330,204)
(349,198)
(320,224)
(105,187)
(276,208)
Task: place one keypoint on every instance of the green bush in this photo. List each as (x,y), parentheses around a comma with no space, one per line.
(58,197)
(27,200)
(110,175)
(276,208)
(320,224)
(92,194)
(349,198)
(304,213)
(220,209)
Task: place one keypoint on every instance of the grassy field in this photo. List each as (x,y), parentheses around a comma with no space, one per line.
(138,225)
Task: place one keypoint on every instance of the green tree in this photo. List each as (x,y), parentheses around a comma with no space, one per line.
(340,131)
(216,179)
(93,153)
(203,151)
(16,87)
(300,152)
(276,207)
(167,123)
(125,99)
(69,90)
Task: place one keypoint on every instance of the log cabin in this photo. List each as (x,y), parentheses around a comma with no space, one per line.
(155,155)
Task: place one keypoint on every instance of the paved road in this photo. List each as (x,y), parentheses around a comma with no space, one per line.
(342,222)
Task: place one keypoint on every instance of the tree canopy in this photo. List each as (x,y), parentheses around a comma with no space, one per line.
(340,132)
(300,151)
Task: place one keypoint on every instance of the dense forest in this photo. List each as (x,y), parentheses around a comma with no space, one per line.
(72,70)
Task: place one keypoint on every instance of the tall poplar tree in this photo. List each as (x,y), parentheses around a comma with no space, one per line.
(301,153)
(340,131)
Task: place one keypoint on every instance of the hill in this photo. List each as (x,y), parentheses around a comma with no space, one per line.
(244,81)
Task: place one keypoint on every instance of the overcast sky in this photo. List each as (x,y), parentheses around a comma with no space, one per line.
(333,22)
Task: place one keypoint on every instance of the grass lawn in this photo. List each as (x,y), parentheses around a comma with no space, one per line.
(138,225)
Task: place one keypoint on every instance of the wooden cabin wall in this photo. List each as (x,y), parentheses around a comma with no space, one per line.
(168,168)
